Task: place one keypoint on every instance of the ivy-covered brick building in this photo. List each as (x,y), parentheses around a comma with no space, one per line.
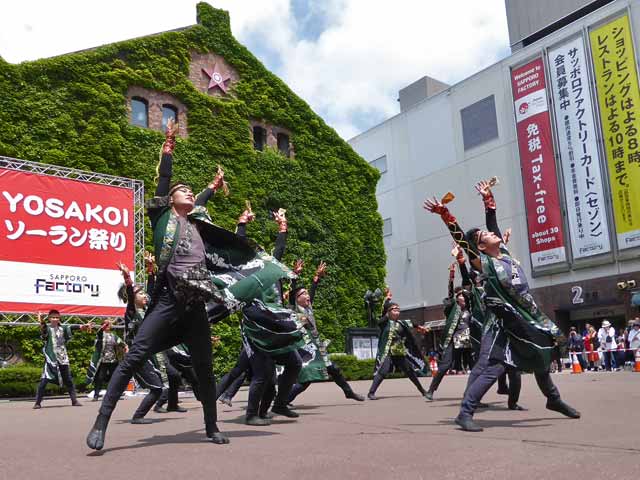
(104,110)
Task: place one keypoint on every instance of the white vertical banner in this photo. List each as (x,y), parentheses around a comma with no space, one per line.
(579,156)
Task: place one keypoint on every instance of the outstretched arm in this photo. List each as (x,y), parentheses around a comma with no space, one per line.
(165,168)
(462,266)
(491,220)
(217,183)
(281,239)
(246,217)
(435,206)
(321,271)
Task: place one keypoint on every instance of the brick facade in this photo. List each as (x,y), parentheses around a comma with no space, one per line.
(200,79)
(155,101)
(272,135)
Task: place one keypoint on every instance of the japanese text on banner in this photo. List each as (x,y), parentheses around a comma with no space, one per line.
(584,192)
(619,99)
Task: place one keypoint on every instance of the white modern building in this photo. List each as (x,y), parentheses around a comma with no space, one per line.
(578,232)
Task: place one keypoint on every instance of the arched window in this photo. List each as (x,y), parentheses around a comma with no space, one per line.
(139,112)
(259,138)
(283,144)
(168,111)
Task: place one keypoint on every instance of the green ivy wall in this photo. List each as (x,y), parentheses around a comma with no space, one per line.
(71,110)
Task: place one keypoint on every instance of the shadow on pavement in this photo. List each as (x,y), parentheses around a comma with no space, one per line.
(193,436)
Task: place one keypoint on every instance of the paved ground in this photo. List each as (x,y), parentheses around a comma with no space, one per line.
(397,437)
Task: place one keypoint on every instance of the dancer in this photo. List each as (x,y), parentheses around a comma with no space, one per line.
(513,386)
(56,359)
(272,335)
(458,315)
(518,335)
(396,347)
(148,375)
(198,262)
(108,351)
(319,367)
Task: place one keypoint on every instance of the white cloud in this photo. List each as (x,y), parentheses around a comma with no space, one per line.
(350,74)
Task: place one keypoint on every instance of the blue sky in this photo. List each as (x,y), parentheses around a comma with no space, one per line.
(346,58)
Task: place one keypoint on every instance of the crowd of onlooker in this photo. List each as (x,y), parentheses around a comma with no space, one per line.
(605,348)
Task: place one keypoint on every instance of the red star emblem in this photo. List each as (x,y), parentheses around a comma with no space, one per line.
(216,79)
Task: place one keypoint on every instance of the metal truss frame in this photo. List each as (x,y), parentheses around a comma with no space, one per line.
(7,163)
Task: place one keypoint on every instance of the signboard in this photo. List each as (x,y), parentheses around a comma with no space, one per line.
(364,347)
(619,98)
(579,157)
(60,241)
(535,144)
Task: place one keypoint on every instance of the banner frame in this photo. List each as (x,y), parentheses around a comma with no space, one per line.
(559,267)
(137,186)
(602,258)
(627,253)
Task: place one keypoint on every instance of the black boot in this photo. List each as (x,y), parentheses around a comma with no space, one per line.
(95,439)
(284,411)
(467,424)
(257,421)
(354,396)
(74,397)
(563,408)
(215,435)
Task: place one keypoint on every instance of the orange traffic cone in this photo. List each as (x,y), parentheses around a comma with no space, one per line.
(433,365)
(575,364)
(636,367)
(131,387)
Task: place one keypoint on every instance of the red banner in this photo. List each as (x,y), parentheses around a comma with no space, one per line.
(60,241)
(537,161)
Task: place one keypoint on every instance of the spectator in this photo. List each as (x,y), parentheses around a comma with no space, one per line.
(607,339)
(634,336)
(621,353)
(591,346)
(576,346)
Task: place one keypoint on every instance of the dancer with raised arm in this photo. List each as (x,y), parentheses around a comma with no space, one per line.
(319,367)
(198,262)
(519,335)
(458,314)
(396,347)
(56,359)
(108,351)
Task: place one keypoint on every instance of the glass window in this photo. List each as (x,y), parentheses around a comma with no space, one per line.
(139,112)
(479,122)
(283,144)
(259,138)
(387,227)
(168,111)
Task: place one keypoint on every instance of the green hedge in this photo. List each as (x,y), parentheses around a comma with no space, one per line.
(71,110)
(22,381)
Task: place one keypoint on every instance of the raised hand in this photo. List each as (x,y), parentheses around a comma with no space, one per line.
(170,136)
(321,271)
(506,236)
(219,182)
(41,320)
(247,215)
(483,188)
(434,205)
(298,266)
(149,262)
(452,269)
(123,269)
(281,219)
(387,293)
